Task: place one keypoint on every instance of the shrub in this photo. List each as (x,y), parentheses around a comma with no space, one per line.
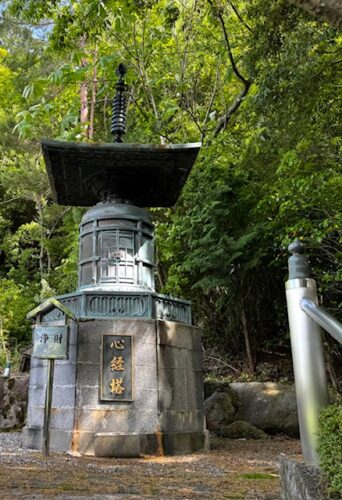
(16,300)
(330,448)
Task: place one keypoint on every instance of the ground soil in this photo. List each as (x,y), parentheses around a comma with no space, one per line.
(233,469)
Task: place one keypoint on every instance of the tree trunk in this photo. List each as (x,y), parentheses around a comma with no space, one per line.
(92,105)
(248,341)
(84,93)
(329,10)
(330,367)
(41,242)
(84,105)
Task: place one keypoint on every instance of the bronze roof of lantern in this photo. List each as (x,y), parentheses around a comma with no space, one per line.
(146,175)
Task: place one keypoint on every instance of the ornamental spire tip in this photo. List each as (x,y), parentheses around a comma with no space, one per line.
(118,127)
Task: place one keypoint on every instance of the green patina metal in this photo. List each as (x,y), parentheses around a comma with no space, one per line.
(298,262)
(116,248)
(116,251)
(97,304)
(145,175)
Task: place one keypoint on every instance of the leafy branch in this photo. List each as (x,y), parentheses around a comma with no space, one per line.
(240,18)
(223,120)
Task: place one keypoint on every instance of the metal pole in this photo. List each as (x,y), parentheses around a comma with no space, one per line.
(47,410)
(307,353)
(7,369)
(323,318)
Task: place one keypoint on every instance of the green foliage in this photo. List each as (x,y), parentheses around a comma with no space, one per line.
(270,175)
(36,235)
(330,449)
(16,301)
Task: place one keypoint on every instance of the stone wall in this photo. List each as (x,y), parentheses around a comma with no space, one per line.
(165,413)
(180,387)
(92,416)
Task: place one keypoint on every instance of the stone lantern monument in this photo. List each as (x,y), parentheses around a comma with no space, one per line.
(132,380)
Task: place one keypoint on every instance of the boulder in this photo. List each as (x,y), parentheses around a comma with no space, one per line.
(220,409)
(269,406)
(211,386)
(241,429)
(13,403)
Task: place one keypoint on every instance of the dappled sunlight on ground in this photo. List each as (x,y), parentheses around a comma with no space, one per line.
(174,459)
(233,469)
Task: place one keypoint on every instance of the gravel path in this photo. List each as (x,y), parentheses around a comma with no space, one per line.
(233,469)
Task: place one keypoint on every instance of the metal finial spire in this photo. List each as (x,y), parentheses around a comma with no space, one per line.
(118,127)
(298,262)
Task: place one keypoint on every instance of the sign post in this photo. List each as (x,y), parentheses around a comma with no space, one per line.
(50,342)
(47,409)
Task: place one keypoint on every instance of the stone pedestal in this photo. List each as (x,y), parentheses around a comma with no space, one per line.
(165,414)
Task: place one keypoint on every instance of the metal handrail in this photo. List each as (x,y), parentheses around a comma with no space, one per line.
(305,321)
(323,318)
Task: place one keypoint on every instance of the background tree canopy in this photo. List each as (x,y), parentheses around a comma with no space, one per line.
(256,81)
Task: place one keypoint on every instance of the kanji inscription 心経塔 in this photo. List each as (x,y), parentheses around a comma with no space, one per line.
(116,386)
(117,364)
(116,368)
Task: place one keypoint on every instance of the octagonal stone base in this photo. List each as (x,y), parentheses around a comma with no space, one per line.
(166,414)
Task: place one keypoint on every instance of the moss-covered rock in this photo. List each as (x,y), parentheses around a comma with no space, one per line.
(241,429)
(220,409)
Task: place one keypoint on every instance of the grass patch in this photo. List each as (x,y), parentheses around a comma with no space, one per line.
(66,487)
(257,475)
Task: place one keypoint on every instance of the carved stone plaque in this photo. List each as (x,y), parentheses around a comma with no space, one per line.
(116,368)
(50,342)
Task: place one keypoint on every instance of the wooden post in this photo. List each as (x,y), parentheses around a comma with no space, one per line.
(47,410)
